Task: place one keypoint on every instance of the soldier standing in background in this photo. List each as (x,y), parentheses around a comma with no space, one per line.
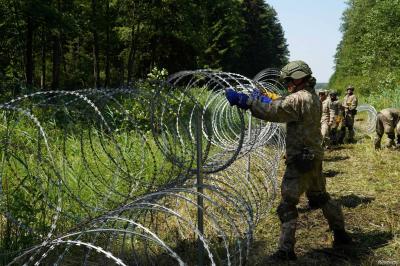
(388,121)
(336,116)
(349,105)
(327,117)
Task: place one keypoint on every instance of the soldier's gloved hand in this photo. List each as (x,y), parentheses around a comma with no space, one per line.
(258,95)
(237,98)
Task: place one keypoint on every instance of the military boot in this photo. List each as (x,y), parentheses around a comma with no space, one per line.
(341,238)
(333,213)
(351,136)
(340,136)
(333,137)
(377,142)
(391,142)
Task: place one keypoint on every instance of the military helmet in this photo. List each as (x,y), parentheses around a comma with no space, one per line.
(333,93)
(295,70)
(350,87)
(322,92)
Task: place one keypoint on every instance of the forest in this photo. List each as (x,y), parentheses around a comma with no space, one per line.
(69,45)
(368,56)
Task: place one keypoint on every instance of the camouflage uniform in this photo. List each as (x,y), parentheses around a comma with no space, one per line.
(328,115)
(388,121)
(336,120)
(350,109)
(301,111)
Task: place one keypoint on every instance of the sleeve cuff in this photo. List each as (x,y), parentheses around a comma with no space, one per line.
(250,101)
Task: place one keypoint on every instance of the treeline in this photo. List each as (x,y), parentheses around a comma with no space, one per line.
(368,56)
(71,44)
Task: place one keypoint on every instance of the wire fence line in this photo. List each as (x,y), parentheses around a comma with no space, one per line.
(107,176)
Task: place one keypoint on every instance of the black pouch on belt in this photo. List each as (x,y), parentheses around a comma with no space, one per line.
(304,161)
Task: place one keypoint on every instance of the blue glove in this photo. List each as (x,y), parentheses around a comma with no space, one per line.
(237,98)
(258,95)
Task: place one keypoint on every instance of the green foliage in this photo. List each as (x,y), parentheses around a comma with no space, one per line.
(383,97)
(157,74)
(86,160)
(124,40)
(368,56)
(263,38)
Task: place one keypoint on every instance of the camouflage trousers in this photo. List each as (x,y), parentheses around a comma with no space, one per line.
(347,123)
(333,136)
(388,127)
(295,182)
(325,131)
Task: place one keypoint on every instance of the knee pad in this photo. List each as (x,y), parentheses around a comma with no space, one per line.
(287,212)
(317,200)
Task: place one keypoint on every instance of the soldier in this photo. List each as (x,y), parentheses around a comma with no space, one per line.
(388,121)
(326,118)
(301,110)
(336,116)
(349,105)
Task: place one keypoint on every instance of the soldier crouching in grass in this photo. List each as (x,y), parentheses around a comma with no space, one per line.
(301,111)
(388,122)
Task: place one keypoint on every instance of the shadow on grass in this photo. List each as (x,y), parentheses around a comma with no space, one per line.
(330,173)
(352,201)
(354,254)
(337,148)
(363,247)
(336,158)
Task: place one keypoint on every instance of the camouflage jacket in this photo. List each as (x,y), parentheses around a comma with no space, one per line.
(301,111)
(328,113)
(350,102)
(337,111)
(392,115)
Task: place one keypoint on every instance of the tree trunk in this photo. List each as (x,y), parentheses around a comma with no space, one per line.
(134,37)
(121,69)
(43,75)
(107,63)
(29,51)
(131,57)
(55,84)
(96,70)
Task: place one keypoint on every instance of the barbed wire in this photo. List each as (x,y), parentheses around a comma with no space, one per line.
(87,180)
(366,124)
(107,176)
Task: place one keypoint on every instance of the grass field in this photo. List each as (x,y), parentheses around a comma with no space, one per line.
(367,184)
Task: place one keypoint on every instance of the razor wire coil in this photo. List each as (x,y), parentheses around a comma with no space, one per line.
(114,171)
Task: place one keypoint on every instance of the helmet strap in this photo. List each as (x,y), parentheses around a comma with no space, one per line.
(300,85)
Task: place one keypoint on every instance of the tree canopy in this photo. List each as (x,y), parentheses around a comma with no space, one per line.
(57,44)
(368,56)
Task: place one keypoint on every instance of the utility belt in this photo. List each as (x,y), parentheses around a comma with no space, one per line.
(351,112)
(304,161)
